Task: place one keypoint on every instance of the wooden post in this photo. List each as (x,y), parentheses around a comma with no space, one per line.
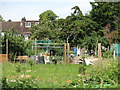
(6,49)
(68,48)
(96,47)
(65,53)
(35,49)
(99,51)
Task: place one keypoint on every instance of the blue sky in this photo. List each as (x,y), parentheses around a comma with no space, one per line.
(31,9)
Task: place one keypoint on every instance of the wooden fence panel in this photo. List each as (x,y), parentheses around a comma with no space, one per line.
(4,57)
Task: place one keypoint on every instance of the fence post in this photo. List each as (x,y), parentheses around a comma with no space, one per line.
(35,49)
(65,53)
(68,48)
(99,51)
(6,49)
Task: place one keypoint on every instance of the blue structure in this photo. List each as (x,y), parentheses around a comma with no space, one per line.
(75,50)
(117,49)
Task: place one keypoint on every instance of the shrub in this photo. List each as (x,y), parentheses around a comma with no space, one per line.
(31,63)
(102,75)
(18,83)
(107,54)
(18,68)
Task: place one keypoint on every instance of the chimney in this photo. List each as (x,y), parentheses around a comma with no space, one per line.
(23,19)
(22,25)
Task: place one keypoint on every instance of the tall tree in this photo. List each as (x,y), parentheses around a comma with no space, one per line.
(47,29)
(77,26)
(107,15)
(17,44)
(48,15)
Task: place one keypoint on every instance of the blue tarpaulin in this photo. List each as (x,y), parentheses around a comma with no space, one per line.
(75,50)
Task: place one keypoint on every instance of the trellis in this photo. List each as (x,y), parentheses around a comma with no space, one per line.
(65,46)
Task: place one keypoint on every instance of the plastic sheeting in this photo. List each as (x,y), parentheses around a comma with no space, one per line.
(117,50)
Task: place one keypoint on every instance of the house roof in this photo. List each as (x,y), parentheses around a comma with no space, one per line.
(18,25)
(14,25)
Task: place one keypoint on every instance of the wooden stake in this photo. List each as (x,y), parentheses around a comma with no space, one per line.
(68,48)
(35,49)
(99,51)
(65,53)
(6,49)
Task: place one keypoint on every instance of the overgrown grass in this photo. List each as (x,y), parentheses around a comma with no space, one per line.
(101,75)
(46,76)
(104,74)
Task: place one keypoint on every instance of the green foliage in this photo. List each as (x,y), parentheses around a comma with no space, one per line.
(101,25)
(1,18)
(44,75)
(18,68)
(90,42)
(76,84)
(4,83)
(45,30)
(82,69)
(48,15)
(74,27)
(104,13)
(77,26)
(103,75)
(107,13)
(57,52)
(18,83)
(16,43)
(30,52)
(108,54)
(77,11)
(31,63)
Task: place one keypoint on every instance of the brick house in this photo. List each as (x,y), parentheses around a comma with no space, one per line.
(22,26)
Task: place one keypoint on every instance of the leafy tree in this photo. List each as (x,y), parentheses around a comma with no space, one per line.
(77,26)
(70,27)
(90,42)
(77,11)
(1,18)
(47,29)
(9,20)
(17,44)
(48,15)
(107,15)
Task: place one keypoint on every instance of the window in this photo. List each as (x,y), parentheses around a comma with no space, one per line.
(21,24)
(27,24)
(27,36)
(36,23)
(2,33)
